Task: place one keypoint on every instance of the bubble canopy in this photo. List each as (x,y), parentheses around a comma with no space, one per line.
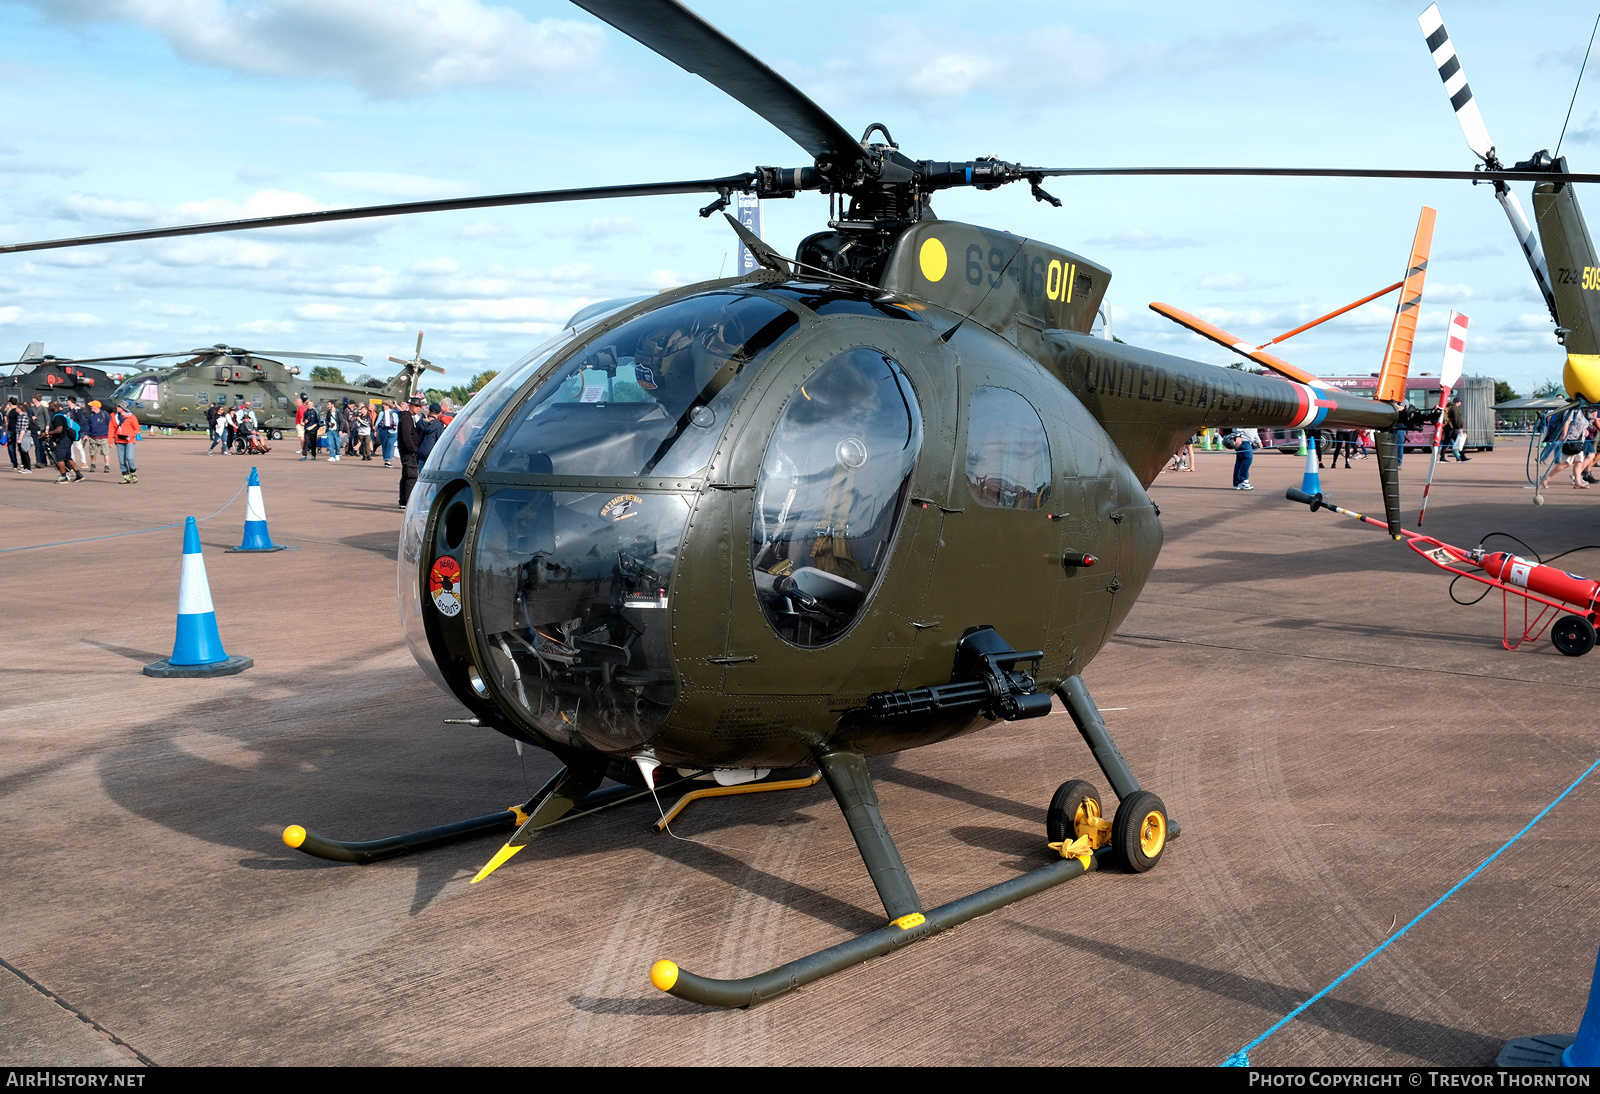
(648,398)
(568,588)
(565,493)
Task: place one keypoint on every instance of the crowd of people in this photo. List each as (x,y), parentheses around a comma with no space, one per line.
(357,429)
(1569,445)
(70,436)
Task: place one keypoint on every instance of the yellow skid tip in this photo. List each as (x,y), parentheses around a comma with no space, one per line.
(294,835)
(664,974)
(498,861)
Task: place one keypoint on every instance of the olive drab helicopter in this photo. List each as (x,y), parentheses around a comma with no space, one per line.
(883,493)
(179,395)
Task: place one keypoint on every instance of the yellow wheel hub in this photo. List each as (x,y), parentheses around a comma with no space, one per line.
(1152,834)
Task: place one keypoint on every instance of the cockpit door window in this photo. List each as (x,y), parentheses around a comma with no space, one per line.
(1008,454)
(832,490)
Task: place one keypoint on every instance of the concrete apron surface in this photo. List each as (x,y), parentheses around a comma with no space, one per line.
(1340,742)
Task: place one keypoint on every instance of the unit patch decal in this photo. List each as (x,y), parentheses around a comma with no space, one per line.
(444,585)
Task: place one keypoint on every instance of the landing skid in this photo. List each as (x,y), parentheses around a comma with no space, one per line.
(909,922)
(506,820)
(545,809)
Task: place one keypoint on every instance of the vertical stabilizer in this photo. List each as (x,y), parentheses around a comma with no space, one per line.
(1575,277)
(1403,331)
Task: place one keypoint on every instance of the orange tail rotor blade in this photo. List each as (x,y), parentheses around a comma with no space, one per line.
(1403,332)
(1237,344)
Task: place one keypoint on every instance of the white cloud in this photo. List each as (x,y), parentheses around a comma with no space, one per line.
(1539,321)
(595,230)
(395,185)
(22,165)
(931,71)
(322,311)
(521,309)
(95,207)
(71,257)
(227,252)
(1137,239)
(262,203)
(435,266)
(1436,293)
(386,47)
(1225,282)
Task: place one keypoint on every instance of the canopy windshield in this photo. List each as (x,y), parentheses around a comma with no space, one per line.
(648,398)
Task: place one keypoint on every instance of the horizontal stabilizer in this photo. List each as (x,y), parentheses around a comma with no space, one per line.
(1238,345)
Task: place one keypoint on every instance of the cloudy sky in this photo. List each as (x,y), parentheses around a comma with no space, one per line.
(132,113)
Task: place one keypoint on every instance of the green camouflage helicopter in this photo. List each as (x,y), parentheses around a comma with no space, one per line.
(884,493)
(177,396)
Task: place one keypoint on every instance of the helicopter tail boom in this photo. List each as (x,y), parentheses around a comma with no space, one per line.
(1575,272)
(1151,402)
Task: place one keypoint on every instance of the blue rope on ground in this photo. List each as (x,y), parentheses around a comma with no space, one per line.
(118,535)
(1242,1057)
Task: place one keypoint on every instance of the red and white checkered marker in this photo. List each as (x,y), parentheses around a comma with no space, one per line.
(1455,352)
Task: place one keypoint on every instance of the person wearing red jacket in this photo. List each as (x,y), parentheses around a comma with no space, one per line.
(125,432)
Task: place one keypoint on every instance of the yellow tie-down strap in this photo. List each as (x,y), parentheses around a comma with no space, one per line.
(724,791)
(1081,849)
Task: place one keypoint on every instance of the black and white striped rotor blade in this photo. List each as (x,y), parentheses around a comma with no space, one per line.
(1530,243)
(1455,83)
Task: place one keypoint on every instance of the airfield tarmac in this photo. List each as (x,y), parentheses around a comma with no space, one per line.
(1340,741)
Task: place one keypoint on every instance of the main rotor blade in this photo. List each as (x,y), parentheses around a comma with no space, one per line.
(1455,83)
(1502,174)
(532,197)
(696,46)
(128,357)
(356,357)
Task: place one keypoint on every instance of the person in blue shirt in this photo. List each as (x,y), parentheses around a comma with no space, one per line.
(98,440)
(429,430)
(388,429)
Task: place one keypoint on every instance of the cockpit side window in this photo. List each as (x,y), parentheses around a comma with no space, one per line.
(832,489)
(649,397)
(1008,454)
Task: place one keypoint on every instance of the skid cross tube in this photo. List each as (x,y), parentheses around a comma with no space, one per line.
(848,777)
(751,990)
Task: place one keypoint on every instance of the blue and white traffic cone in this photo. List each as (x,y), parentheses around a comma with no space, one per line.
(1312,483)
(255,520)
(1581,1049)
(197,650)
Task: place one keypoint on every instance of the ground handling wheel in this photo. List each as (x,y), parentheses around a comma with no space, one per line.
(1073,811)
(1139,831)
(276,434)
(1573,635)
